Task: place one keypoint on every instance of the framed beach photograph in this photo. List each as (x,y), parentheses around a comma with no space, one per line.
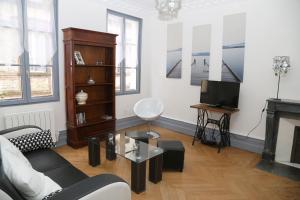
(200,54)
(174,50)
(78,58)
(234,32)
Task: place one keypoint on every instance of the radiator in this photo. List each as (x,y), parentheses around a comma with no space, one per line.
(43,119)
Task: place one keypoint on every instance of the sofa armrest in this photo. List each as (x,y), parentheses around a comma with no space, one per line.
(101,187)
(18,128)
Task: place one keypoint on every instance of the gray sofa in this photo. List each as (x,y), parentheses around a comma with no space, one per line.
(75,184)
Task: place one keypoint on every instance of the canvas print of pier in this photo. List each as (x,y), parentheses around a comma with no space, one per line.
(234,29)
(174,50)
(200,54)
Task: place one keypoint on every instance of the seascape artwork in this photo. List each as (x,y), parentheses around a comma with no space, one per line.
(174,50)
(234,29)
(200,54)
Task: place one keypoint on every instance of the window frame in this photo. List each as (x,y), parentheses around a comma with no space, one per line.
(25,66)
(123,68)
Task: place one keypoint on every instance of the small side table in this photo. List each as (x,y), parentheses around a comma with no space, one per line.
(94,151)
(223,123)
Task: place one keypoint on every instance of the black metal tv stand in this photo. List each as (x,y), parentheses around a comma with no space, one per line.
(223,124)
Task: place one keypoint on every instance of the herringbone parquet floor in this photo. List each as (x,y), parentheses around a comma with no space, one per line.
(207,175)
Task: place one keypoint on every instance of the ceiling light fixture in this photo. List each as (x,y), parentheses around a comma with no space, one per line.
(168,9)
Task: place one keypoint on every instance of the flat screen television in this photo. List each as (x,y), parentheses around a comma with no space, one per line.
(220,93)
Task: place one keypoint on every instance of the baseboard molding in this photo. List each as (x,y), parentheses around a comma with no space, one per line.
(128,122)
(246,143)
(176,125)
(120,124)
(239,141)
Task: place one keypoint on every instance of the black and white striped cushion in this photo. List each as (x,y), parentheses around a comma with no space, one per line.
(33,141)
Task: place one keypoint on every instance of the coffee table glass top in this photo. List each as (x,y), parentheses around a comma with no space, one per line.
(134,150)
(142,134)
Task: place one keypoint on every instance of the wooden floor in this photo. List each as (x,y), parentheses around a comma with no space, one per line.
(207,174)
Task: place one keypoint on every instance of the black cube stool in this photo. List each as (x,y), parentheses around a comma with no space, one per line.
(173,157)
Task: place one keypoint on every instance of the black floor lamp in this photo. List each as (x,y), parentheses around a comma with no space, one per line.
(281,65)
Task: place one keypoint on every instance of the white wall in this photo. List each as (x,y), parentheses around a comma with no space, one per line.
(272,28)
(87,15)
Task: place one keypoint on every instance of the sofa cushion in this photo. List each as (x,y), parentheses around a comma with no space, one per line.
(44,160)
(33,185)
(33,141)
(55,166)
(66,175)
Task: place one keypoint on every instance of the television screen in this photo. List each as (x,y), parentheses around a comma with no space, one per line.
(220,93)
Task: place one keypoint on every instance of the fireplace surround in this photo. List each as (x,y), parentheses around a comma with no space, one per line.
(295,155)
(278,109)
(275,110)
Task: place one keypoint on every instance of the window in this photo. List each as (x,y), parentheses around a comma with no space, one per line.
(28,53)
(128,51)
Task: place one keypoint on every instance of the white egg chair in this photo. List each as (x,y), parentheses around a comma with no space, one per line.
(149,109)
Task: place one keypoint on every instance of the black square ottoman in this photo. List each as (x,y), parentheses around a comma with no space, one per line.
(173,157)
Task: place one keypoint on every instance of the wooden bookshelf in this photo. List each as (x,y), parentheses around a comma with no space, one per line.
(98,52)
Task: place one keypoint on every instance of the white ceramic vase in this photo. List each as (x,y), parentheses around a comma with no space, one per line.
(81,97)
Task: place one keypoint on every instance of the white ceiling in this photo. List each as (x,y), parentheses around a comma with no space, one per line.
(148,6)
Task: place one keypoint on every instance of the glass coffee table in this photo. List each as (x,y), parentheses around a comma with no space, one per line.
(138,153)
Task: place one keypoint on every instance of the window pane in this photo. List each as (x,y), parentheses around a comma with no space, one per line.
(130,79)
(41,46)
(115,25)
(41,32)
(118,79)
(40,15)
(131,55)
(10,32)
(132,31)
(41,81)
(11,49)
(131,42)
(10,83)
(132,37)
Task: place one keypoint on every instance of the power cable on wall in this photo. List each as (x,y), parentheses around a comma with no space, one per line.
(259,122)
